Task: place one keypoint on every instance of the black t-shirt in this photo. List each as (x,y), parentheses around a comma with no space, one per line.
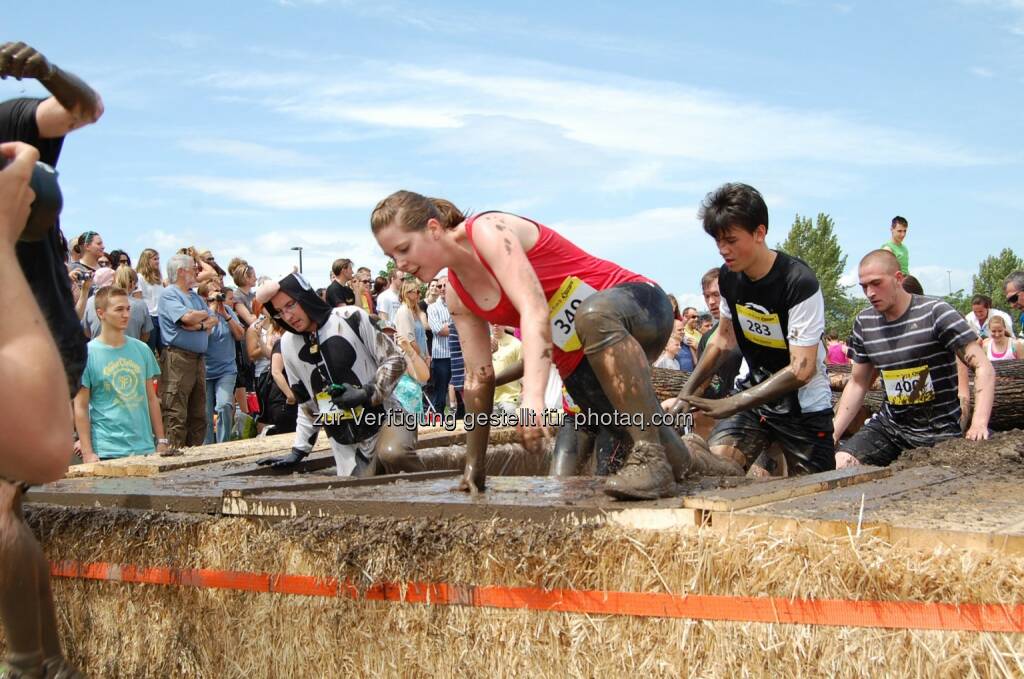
(768,315)
(42,261)
(728,368)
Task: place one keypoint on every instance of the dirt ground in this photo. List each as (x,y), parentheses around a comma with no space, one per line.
(1001,454)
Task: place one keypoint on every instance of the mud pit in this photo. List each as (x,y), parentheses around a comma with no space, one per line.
(1001,455)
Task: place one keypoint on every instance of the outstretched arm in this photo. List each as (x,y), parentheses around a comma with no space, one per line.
(74,104)
(984,388)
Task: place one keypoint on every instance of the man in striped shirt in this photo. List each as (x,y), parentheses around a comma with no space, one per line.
(915,342)
(440,356)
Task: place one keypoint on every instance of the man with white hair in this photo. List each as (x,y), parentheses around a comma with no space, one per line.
(343,372)
(185,325)
(1013,286)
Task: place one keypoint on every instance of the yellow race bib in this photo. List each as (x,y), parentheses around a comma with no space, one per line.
(326,407)
(908,386)
(762,329)
(562,312)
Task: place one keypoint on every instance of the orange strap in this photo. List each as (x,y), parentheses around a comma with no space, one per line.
(889,614)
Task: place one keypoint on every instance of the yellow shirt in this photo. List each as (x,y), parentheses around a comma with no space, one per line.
(510,351)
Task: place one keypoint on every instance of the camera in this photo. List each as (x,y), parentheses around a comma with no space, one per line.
(47,205)
(217,297)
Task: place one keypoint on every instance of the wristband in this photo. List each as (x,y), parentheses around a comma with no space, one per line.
(162,441)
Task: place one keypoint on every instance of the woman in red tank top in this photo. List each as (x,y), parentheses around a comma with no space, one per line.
(600,324)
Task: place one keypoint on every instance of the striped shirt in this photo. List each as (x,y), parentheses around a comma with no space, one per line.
(917,346)
(438,317)
(458,365)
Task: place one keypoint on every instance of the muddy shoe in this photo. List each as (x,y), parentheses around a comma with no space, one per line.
(645,475)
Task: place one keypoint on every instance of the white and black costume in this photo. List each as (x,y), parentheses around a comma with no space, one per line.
(343,376)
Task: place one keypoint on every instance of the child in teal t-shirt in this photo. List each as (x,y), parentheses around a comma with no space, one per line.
(116,378)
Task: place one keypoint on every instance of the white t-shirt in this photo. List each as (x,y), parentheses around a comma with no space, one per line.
(150,294)
(387,304)
(982,328)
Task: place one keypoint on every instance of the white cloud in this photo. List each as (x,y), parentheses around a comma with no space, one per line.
(248,152)
(652,121)
(982,72)
(671,224)
(287,194)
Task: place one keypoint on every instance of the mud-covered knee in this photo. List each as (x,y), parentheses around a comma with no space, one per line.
(595,318)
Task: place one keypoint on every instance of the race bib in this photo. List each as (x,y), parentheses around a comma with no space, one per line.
(908,386)
(325,405)
(762,329)
(563,305)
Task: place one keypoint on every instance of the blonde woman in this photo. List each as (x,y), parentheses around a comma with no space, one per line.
(244,277)
(999,346)
(152,284)
(410,321)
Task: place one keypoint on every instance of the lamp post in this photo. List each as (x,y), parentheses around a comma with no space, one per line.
(949,280)
(299,248)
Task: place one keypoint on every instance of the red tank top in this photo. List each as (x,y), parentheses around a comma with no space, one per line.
(567,275)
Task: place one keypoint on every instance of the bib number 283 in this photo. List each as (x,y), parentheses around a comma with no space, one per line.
(562,308)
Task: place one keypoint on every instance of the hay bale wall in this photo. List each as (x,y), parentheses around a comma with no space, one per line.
(138,630)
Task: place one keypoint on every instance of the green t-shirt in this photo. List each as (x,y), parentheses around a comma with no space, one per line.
(116,378)
(902,255)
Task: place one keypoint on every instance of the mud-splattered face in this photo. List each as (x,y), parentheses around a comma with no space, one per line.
(417,253)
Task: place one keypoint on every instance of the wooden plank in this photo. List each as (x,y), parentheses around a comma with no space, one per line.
(151,465)
(729,499)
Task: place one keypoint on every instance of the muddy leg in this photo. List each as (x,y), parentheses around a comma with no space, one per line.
(572,450)
(20,555)
(396,451)
(706,463)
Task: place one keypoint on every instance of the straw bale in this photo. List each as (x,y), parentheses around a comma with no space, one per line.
(139,630)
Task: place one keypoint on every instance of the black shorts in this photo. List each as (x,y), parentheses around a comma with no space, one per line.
(805,438)
(878,443)
(638,310)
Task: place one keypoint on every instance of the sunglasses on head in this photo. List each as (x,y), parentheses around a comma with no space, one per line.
(1012,299)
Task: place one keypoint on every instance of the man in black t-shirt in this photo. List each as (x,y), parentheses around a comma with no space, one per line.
(772,308)
(27,604)
(43,123)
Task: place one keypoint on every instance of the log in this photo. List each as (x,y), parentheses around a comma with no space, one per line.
(1007,411)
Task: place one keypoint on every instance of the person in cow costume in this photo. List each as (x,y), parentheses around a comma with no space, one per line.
(342,371)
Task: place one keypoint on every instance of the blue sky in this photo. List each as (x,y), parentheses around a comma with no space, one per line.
(249,127)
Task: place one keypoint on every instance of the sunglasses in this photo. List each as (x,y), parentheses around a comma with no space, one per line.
(1012,299)
(106,262)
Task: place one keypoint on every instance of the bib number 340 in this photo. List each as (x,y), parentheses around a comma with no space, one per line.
(562,308)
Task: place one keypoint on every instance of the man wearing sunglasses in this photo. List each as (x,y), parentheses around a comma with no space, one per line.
(1013,286)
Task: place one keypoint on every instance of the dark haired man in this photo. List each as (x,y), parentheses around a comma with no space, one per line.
(898,231)
(915,342)
(773,309)
(1013,286)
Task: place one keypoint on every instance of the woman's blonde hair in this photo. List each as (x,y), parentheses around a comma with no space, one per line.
(408,286)
(146,269)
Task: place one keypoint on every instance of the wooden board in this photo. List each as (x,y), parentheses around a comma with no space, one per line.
(922,507)
(730,499)
(151,465)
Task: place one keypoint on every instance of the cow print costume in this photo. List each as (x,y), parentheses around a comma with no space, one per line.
(345,349)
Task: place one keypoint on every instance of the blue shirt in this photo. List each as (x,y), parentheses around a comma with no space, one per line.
(116,378)
(220,354)
(172,306)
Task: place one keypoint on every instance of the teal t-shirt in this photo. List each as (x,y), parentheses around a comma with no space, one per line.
(902,255)
(116,378)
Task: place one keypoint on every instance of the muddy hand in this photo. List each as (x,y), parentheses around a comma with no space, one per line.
(719,409)
(21,61)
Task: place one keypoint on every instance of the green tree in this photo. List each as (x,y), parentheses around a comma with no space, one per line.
(960,301)
(816,243)
(386,272)
(992,272)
